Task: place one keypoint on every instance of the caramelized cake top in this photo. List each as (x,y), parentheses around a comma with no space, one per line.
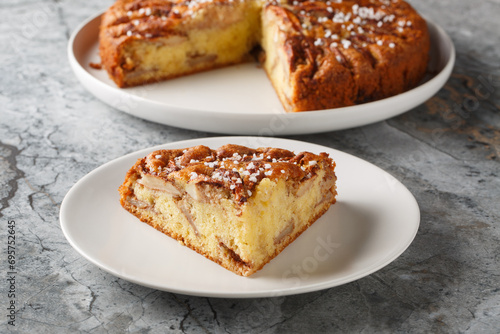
(320,28)
(323,24)
(238,169)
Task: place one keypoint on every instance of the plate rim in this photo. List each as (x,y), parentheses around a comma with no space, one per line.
(261,293)
(397,102)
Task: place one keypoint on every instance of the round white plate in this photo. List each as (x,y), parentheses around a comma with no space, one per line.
(374,220)
(240,99)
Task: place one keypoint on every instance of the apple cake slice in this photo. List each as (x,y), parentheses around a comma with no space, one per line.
(238,206)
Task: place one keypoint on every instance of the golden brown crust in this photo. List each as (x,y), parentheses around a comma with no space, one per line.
(237,169)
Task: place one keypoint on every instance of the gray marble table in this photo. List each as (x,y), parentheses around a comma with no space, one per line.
(446,151)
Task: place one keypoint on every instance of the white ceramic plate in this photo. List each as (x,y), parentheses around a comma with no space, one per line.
(240,99)
(374,220)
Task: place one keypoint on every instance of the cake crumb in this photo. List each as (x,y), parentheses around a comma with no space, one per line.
(97,66)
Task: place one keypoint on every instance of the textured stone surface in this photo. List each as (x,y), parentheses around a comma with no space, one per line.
(446,151)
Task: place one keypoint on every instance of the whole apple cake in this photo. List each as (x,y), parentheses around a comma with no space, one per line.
(317,54)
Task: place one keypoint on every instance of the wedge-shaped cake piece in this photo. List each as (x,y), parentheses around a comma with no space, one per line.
(237,206)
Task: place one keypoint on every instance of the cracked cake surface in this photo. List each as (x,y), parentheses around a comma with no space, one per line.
(317,54)
(237,206)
